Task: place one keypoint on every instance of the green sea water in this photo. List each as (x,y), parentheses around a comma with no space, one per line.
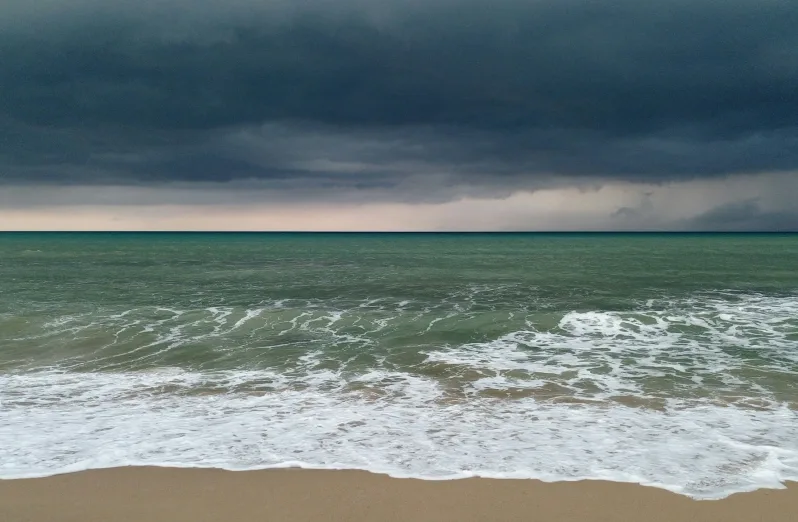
(665,359)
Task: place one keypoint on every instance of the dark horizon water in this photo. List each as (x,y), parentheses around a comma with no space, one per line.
(668,359)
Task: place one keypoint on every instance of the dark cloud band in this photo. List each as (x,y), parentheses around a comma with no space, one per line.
(361,94)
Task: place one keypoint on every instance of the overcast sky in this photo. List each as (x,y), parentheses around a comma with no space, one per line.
(399,114)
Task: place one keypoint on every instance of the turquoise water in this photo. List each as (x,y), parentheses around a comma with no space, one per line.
(664,359)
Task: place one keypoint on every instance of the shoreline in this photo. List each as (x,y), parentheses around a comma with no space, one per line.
(159,494)
(294,467)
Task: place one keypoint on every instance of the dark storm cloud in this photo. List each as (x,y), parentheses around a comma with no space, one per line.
(358,94)
(744,215)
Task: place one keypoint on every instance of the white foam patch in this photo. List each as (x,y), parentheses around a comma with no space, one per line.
(660,351)
(60,422)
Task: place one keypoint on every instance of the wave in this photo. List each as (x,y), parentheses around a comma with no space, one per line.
(392,423)
(696,396)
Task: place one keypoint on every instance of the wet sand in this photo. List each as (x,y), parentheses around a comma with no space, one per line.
(194,495)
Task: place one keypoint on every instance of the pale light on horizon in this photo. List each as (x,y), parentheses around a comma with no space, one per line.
(611,207)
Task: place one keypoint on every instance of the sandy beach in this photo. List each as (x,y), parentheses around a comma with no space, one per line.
(192,495)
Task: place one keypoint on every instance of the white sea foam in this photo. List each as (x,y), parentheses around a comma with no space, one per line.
(410,421)
(59,422)
(600,355)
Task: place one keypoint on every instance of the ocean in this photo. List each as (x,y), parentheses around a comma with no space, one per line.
(669,360)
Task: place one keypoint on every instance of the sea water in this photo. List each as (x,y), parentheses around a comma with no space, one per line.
(668,360)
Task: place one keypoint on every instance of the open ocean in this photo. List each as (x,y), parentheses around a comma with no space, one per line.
(664,359)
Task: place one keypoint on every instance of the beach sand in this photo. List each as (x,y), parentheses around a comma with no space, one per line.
(199,495)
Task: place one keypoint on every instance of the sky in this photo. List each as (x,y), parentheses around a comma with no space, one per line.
(399,115)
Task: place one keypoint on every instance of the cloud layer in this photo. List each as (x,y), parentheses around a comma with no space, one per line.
(396,100)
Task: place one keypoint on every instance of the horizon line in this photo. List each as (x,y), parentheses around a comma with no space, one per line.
(550,232)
